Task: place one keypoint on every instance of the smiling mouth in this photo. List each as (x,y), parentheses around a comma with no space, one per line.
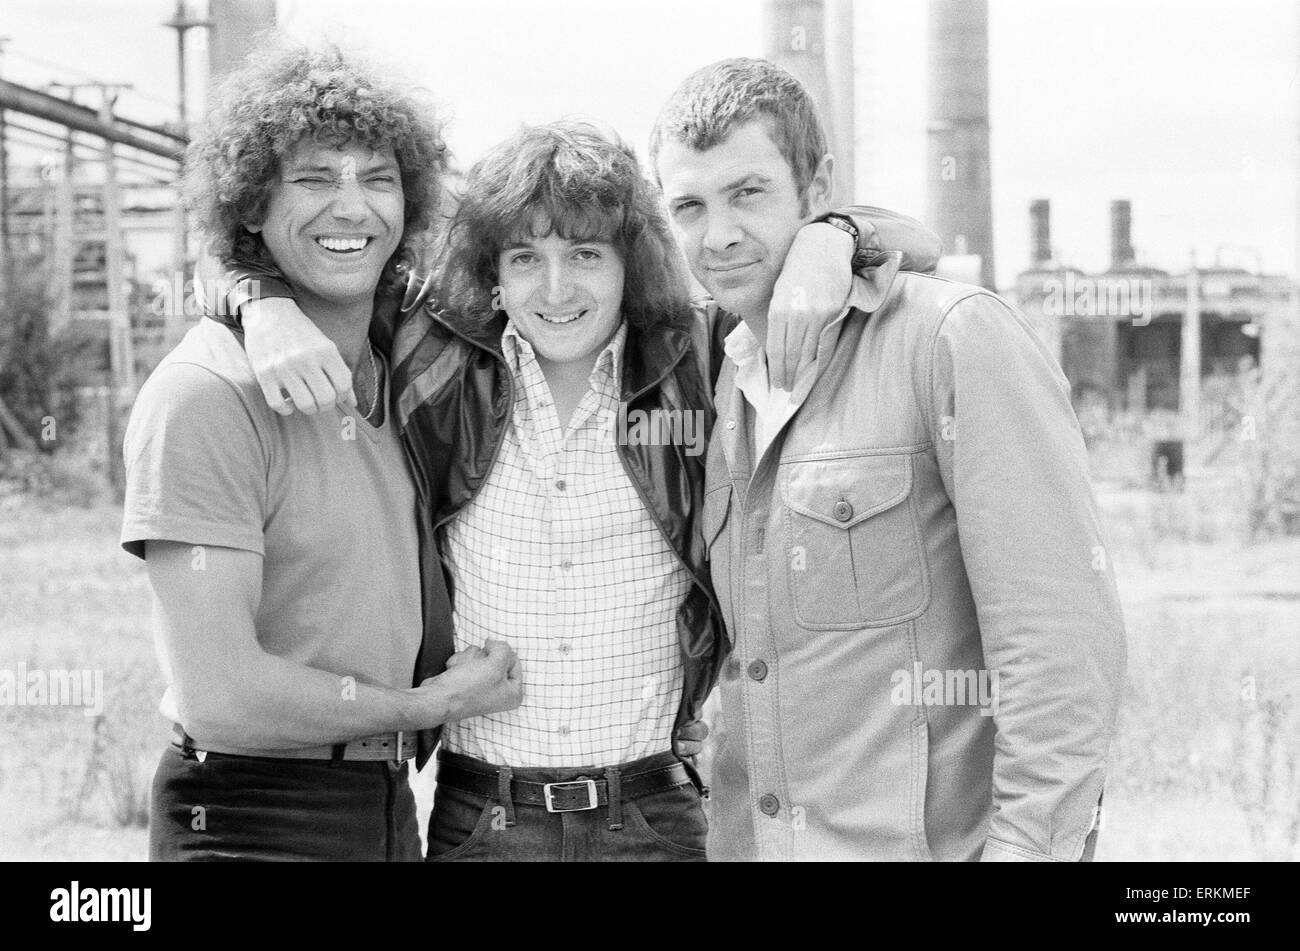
(565,318)
(724,268)
(344,245)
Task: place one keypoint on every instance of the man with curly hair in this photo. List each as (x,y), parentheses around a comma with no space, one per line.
(558,395)
(300,612)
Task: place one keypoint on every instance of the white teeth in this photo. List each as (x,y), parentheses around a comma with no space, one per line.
(562,318)
(342,244)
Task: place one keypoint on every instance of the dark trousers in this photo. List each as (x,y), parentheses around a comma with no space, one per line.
(248,808)
(664,826)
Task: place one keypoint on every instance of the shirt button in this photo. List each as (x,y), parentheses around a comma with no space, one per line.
(562,730)
(758,670)
(565,648)
(731,424)
(560,485)
(769,805)
(843,511)
(566,565)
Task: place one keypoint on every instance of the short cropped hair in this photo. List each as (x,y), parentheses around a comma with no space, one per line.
(712,101)
(281,96)
(576,180)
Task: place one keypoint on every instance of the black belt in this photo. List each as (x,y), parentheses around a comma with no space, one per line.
(574,795)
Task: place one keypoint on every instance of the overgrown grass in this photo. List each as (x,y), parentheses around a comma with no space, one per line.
(1205,765)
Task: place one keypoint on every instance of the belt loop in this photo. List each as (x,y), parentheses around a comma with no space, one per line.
(614,792)
(336,753)
(187,746)
(504,776)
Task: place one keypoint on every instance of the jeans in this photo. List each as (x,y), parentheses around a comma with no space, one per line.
(248,808)
(665,826)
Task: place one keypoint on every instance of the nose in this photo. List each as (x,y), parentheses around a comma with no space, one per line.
(349,202)
(559,286)
(721,233)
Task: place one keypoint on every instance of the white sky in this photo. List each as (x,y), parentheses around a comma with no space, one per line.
(1187,108)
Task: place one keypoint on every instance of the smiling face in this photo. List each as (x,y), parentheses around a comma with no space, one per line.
(333,219)
(565,296)
(735,211)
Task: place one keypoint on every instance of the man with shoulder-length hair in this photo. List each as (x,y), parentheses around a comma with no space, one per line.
(558,397)
(928,647)
(300,610)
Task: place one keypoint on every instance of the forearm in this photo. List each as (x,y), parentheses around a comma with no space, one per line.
(270,703)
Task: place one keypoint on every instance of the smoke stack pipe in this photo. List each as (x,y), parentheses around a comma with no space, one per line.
(960,192)
(1121,234)
(1040,231)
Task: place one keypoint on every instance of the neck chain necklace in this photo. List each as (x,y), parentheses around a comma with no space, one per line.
(374,376)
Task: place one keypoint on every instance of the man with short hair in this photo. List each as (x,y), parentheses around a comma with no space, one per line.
(927,646)
(298,598)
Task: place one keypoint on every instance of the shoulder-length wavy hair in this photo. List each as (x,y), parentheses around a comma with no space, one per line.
(572,179)
(284,95)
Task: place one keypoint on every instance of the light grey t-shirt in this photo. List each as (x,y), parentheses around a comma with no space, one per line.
(327,500)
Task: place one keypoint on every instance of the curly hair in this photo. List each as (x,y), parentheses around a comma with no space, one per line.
(572,179)
(281,96)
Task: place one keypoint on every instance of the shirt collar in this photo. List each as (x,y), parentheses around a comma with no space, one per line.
(606,375)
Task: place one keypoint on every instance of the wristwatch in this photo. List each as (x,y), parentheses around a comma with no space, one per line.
(862,258)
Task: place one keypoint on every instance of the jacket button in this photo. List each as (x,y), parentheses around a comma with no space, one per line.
(843,511)
(758,670)
(769,805)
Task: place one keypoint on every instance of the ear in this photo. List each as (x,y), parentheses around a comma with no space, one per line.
(821,187)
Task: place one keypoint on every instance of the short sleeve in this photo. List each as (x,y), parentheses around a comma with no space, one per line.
(196,466)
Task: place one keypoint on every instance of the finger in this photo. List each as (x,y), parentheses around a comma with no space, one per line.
(322,390)
(340,378)
(777,328)
(275,397)
(689,748)
(303,401)
(695,730)
(807,355)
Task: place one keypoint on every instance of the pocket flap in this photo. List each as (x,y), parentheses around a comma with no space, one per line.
(844,492)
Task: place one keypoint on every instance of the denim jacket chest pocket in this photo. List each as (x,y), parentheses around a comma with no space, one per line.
(854,554)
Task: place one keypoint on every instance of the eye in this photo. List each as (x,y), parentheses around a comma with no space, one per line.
(522,258)
(310,180)
(587,254)
(384,179)
(748,192)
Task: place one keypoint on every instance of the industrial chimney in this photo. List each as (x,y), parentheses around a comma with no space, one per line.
(1121,235)
(1040,232)
(959,176)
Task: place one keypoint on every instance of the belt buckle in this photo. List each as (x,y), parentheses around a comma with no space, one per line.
(548,790)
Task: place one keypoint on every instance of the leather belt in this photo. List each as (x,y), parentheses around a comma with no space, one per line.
(574,795)
(393,747)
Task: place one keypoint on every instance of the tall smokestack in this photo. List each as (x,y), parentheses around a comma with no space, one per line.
(1040,231)
(1121,235)
(960,180)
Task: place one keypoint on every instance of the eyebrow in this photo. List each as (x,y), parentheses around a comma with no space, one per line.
(749,178)
(375,165)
